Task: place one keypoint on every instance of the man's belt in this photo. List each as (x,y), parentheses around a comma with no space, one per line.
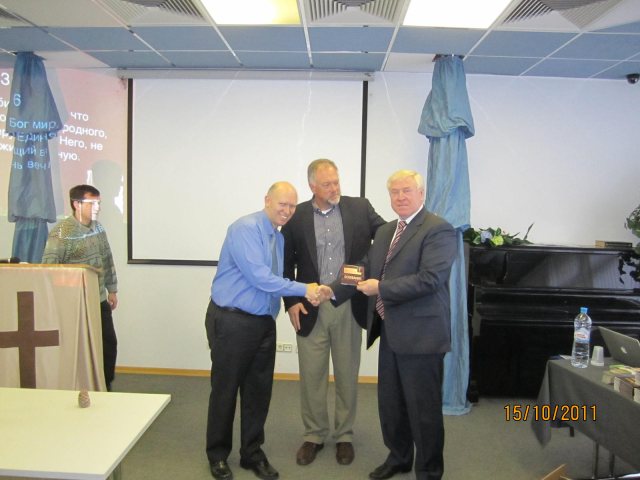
(242,312)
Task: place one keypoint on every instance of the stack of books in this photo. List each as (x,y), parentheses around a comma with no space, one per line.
(617,371)
(625,380)
(626,386)
(612,244)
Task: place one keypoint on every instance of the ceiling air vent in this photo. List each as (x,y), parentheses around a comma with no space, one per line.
(147,3)
(586,15)
(182,7)
(354,3)
(579,12)
(351,12)
(527,9)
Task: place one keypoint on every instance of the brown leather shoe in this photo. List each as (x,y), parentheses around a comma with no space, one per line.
(307,452)
(344,453)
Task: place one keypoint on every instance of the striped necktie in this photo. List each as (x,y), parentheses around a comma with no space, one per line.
(401,226)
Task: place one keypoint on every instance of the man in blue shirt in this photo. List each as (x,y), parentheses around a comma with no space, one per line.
(241,329)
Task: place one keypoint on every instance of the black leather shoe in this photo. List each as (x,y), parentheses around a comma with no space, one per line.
(307,452)
(262,469)
(221,471)
(387,471)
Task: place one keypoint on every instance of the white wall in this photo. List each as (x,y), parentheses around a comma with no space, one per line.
(560,153)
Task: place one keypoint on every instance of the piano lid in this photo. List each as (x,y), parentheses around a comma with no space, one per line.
(554,268)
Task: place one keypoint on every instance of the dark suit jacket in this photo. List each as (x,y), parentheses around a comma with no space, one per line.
(359,224)
(415,289)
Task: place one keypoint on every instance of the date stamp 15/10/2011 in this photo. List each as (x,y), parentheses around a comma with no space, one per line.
(546,413)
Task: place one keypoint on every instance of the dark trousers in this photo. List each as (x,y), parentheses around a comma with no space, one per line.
(243,352)
(109,343)
(410,408)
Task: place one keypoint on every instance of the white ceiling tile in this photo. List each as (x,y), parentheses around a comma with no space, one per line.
(410,62)
(67,13)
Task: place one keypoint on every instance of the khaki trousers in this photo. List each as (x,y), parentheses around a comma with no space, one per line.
(336,335)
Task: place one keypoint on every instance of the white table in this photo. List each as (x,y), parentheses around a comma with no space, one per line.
(45,434)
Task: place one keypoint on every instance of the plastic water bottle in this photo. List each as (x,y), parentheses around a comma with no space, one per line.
(581,335)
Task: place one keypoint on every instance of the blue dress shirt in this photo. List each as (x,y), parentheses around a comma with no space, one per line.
(244,278)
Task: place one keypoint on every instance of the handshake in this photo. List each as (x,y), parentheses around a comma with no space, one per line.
(316,294)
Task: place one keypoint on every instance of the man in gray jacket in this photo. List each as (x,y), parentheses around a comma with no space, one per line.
(408,267)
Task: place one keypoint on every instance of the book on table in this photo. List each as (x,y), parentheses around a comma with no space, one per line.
(613,244)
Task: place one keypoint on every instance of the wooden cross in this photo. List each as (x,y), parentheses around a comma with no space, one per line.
(27,338)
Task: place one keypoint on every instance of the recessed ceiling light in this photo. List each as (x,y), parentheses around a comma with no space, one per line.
(253,12)
(454,13)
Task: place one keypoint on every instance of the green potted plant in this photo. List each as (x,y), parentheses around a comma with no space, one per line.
(630,262)
(633,224)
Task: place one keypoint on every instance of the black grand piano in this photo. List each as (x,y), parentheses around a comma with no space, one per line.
(522,301)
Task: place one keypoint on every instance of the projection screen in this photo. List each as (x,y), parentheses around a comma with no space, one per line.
(204,152)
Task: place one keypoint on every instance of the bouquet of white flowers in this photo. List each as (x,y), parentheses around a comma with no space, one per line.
(494,237)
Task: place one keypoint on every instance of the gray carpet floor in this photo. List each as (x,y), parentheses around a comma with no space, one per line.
(480,445)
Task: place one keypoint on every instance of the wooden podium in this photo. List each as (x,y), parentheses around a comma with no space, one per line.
(50,327)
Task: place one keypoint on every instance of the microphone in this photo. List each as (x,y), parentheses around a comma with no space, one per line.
(10,260)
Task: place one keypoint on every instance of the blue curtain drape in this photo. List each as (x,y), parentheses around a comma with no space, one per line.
(32,118)
(447,122)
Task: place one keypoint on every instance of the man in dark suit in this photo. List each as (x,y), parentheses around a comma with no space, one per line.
(408,267)
(324,233)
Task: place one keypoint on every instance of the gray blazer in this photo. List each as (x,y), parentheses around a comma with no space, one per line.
(415,289)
